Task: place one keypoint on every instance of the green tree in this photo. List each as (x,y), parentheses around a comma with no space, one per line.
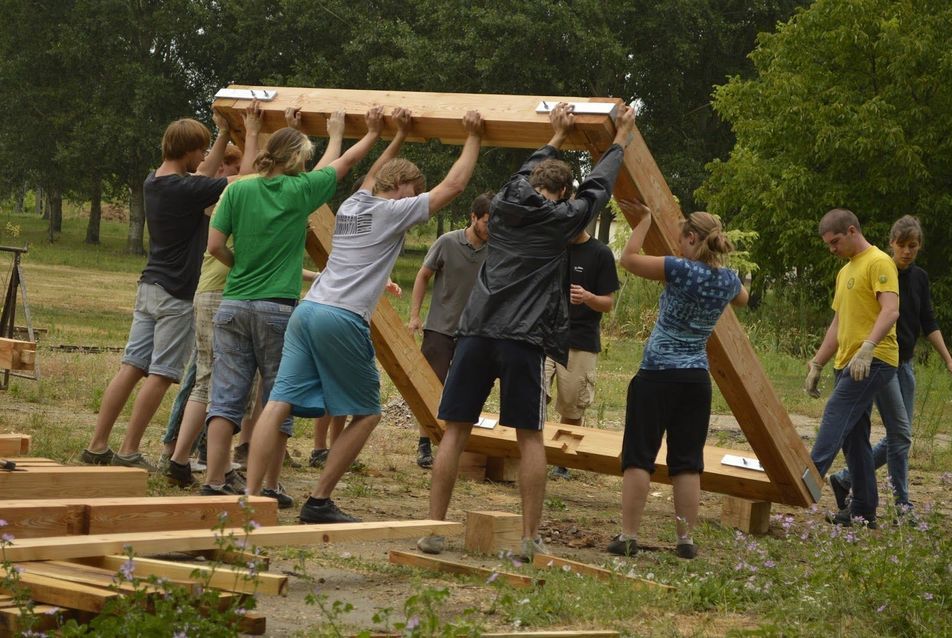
(852,107)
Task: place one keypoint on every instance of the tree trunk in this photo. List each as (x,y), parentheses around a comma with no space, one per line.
(605,225)
(136,218)
(39,202)
(56,211)
(95,213)
(439,226)
(21,197)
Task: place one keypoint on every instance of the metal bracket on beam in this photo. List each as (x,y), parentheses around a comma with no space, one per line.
(581,108)
(812,486)
(262,95)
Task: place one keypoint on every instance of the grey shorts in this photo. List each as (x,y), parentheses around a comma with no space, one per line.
(160,339)
(206,305)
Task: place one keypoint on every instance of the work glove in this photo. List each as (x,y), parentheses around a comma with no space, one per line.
(861,361)
(812,385)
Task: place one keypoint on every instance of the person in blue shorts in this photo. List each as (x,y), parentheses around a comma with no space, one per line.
(671,393)
(328,364)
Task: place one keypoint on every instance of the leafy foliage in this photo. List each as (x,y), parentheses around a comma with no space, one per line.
(851,107)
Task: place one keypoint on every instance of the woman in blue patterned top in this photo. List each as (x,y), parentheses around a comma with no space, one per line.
(672,390)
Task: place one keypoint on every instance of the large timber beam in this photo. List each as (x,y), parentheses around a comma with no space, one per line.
(512,121)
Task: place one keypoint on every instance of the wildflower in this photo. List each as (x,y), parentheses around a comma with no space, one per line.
(492,577)
(769,564)
(922,526)
(880,609)
(928,596)
(413,623)
(128,568)
(254,524)
(7,538)
(3,523)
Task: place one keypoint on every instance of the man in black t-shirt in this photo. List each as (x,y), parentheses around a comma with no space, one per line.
(593,281)
(160,339)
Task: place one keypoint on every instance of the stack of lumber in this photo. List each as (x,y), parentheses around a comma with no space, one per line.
(39,478)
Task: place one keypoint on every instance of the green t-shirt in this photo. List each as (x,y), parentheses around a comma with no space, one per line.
(267,218)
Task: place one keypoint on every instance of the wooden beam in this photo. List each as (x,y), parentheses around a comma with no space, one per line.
(36,519)
(227,578)
(44,618)
(511,120)
(55,591)
(91,575)
(65,547)
(750,517)
(489,532)
(453,567)
(17,355)
(60,482)
(14,444)
(554,562)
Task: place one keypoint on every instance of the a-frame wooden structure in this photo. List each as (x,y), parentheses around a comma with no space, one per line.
(512,121)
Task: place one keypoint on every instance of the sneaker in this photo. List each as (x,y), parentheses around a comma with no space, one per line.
(208,490)
(424,457)
(841,492)
(318,457)
(240,455)
(326,513)
(686,550)
(164,462)
(432,544)
(96,458)
(845,518)
(559,472)
(623,546)
(531,547)
(134,460)
(197,465)
(179,473)
(236,481)
(284,501)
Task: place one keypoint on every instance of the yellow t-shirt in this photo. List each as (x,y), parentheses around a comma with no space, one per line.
(214,273)
(857,284)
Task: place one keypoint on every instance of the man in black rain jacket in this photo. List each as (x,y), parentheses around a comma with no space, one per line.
(518,313)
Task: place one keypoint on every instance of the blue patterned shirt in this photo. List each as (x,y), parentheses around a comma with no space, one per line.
(694,297)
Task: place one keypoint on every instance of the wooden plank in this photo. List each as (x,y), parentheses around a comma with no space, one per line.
(177,513)
(91,575)
(219,577)
(32,461)
(17,355)
(45,618)
(511,120)
(64,482)
(233,557)
(452,567)
(55,591)
(65,547)
(13,444)
(554,562)
(252,623)
(40,518)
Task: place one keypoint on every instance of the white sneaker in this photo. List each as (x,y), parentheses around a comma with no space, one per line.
(431,544)
(531,547)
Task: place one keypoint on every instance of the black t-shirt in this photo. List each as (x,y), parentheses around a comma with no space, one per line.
(915,310)
(591,266)
(178,229)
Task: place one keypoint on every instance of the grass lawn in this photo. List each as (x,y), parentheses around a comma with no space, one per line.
(805,578)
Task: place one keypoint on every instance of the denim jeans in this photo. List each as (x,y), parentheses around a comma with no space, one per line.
(895,405)
(249,336)
(845,425)
(178,407)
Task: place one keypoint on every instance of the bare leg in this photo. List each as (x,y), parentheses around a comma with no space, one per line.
(248,423)
(193,420)
(337,426)
(144,408)
(220,433)
(273,473)
(345,449)
(264,443)
(321,425)
(531,479)
(113,400)
(687,499)
(446,467)
(634,495)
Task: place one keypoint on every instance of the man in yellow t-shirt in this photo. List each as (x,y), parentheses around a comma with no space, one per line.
(862,336)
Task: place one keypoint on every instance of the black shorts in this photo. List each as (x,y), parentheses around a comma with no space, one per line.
(438,350)
(477,363)
(674,401)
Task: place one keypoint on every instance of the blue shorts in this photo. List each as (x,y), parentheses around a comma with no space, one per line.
(477,363)
(249,336)
(161,336)
(328,365)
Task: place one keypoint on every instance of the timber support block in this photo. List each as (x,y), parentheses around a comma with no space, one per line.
(750,517)
(502,469)
(490,532)
(472,466)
